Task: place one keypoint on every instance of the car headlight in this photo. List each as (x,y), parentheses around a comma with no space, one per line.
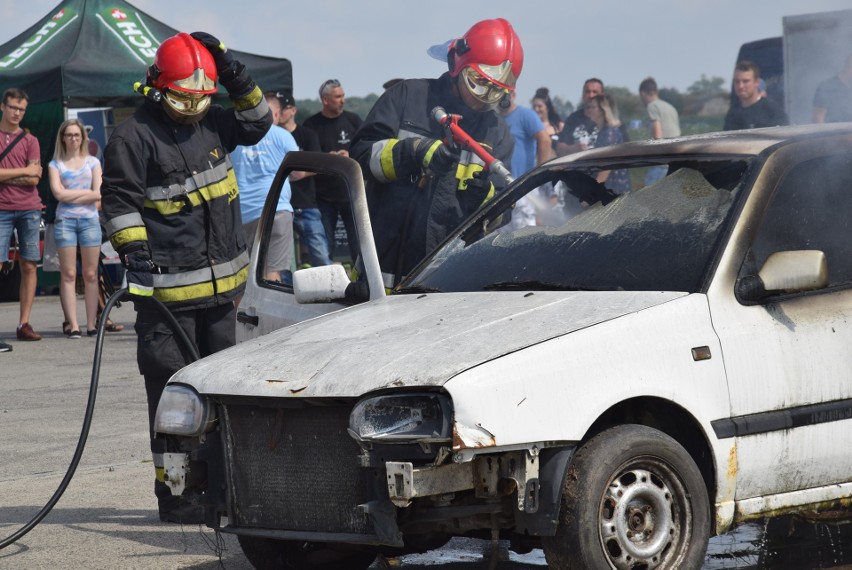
(402,418)
(182,411)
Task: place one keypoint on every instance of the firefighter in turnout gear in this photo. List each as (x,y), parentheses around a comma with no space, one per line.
(420,187)
(171,210)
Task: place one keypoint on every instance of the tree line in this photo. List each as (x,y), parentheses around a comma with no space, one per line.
(701,107)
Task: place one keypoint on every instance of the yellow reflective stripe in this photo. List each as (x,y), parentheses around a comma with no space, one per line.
(386,160)
(489,195)
(226,187)
(139,290)
(428,158)
(191,183)
(467,173)
(160,474)
(201,290)
(123,237)
(250,101)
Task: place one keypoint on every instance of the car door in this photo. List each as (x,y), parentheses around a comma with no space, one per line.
(269,305)
(788,357)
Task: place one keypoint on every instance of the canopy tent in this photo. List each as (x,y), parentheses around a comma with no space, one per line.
(89,53)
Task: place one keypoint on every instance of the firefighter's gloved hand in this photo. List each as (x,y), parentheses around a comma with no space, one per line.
(433,155)
(223,58)
(478,191)
(139,272)
(232,74)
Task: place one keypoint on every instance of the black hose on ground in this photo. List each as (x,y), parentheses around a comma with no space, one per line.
(119,295)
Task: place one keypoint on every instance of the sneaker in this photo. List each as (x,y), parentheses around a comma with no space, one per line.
(26,332)
(73,334)
(5,347)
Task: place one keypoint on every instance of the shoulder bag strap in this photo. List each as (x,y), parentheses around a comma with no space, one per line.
(12,145)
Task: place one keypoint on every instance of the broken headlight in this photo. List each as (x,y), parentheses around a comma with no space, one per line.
(182,411)
(402,418)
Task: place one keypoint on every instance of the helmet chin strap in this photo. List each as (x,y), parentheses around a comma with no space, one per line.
(181,118)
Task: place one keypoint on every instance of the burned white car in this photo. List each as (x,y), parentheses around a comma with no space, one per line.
(613,384)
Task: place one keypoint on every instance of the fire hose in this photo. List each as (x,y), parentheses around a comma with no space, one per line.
(119,295)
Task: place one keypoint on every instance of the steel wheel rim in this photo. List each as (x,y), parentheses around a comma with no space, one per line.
(644,519)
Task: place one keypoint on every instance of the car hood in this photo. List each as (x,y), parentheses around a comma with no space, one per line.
(403,340)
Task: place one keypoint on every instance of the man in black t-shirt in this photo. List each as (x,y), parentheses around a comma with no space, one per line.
(754,110)
(833,97)
(335,129)
(579,131)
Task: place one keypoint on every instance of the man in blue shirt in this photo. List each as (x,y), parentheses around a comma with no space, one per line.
(532,145)
(255,168)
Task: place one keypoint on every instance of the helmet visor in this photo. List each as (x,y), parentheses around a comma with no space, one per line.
(481,87)
(198,81)
(187,103)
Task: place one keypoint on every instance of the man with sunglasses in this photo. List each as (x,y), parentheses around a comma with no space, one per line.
(172,211)
(20,204)
(335,128)
(419,188)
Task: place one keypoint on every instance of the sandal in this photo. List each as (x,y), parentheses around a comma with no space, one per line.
(66,328)
(112,327)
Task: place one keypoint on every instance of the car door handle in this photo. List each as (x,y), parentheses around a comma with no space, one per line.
(247,319)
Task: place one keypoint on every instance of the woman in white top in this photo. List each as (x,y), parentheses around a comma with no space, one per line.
(75,180)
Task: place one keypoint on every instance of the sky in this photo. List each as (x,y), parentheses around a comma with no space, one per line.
(364,43)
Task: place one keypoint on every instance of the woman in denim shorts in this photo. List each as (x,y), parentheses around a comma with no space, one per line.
(75,180)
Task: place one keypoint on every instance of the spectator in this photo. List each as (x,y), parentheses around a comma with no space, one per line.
(171,209)
(307,221)
(75,181)
(754,110)
(255,167)
(600,110)
(543,107)
(664,120)
(335,128)
(833,97)
(20,204)
(580,131)
(532,145)
(418,188)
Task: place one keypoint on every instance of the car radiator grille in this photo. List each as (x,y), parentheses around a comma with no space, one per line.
(294,469)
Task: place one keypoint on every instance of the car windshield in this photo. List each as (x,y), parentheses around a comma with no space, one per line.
(559,229)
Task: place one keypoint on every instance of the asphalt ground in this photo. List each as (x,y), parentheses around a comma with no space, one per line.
(107,517)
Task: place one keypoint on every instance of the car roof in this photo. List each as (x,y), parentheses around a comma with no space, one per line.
(745,142)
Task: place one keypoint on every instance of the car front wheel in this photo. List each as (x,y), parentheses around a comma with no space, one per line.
(633,498)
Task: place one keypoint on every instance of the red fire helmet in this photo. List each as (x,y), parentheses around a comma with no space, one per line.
(492,49)
(184,65)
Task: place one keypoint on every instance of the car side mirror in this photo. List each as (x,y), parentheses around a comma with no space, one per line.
(323,284)
(785,272)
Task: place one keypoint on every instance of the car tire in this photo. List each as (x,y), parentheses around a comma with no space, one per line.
(633,497)
(271,554)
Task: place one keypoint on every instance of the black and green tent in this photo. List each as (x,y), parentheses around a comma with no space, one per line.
(89,53)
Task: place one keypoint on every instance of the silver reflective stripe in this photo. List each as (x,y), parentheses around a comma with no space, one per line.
(124,221)
(202,275)
(254,114)
(404,134)
(376,160)
(467,157)
(192,183)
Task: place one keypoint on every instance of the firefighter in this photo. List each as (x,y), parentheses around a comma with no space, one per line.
(420,188)
(171,209)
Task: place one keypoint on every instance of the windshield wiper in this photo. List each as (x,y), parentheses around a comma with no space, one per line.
(417,289)
(538,286)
